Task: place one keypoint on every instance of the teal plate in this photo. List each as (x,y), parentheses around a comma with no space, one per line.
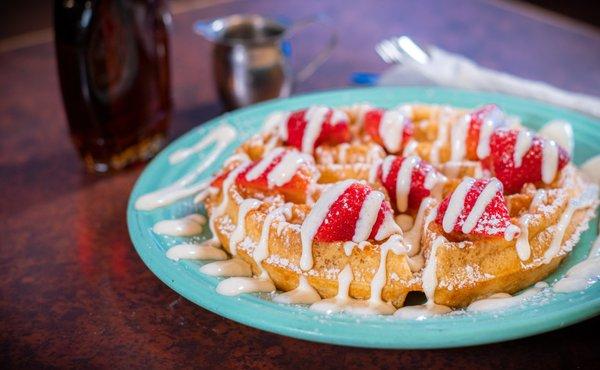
(546,312)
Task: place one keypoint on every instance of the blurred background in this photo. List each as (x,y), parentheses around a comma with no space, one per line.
(21,16)
(556,42)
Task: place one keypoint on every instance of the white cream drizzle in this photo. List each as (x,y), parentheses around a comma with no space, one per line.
(492,119)
(276,122)
(455,206)
(227,184)
(343,303)
(561,132)
(337,303)
(391,129)
(348,248)
(458,137)
(196,252)
(257,170)
(522,145)
(236,157)
(410,147)
(585,200)
(315,218)
(230,267)
(304,293)
(315,117)
(239,233)
(204,194)
(386,166)
(285,170)
(429,278)
(432,179)
(403,182)
(374,170)
(550,154)
(282,172)
(388,227)
(412,238)
(367,216)
(397,246)
(501,301)
(442,135)
(421,312)
(280,214)
(343,152)
(452,169)
(580,276)
(429,272)
(270,144)
(406,110)
(237,285)
(583,274)
(221,136)
(338,116)
(185,226)
(522,246)
(511,231)
(375,154)
(360,110)
(539,198)
(549,161)
(483,200)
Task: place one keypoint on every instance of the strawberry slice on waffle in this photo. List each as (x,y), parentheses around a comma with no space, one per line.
(518,157)
(308,128)
(408,180)
(388,128)
(484,121)
(217,180)
(351,211)
(283,171)
(477,207)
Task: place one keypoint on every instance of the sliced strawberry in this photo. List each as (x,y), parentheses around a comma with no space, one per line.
(418,189)
(490,113)
(218,179)
(501,161)
(334,128)
(372,121)
(340,222)
(493,221)
(295,129)
(294,190)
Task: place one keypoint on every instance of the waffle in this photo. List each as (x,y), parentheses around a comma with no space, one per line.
(370,204)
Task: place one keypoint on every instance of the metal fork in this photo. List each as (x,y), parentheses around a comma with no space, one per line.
(400,50)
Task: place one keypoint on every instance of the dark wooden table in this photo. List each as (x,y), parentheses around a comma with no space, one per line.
(73,292)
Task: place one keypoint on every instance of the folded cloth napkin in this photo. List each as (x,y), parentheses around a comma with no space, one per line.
(453,70)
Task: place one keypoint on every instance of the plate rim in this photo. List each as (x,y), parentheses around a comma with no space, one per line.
(168,275)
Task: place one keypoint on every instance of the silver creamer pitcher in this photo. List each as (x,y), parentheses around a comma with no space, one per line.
(251,56)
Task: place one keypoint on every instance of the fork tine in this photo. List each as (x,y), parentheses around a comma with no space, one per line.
(383,54)
(382,51)
(400,49)
(392,51)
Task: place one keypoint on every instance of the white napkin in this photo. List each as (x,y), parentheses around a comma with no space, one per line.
(453,70)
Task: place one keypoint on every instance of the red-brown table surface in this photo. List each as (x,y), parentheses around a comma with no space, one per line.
(73,292)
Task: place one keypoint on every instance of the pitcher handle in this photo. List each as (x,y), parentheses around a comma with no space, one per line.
(299,25)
